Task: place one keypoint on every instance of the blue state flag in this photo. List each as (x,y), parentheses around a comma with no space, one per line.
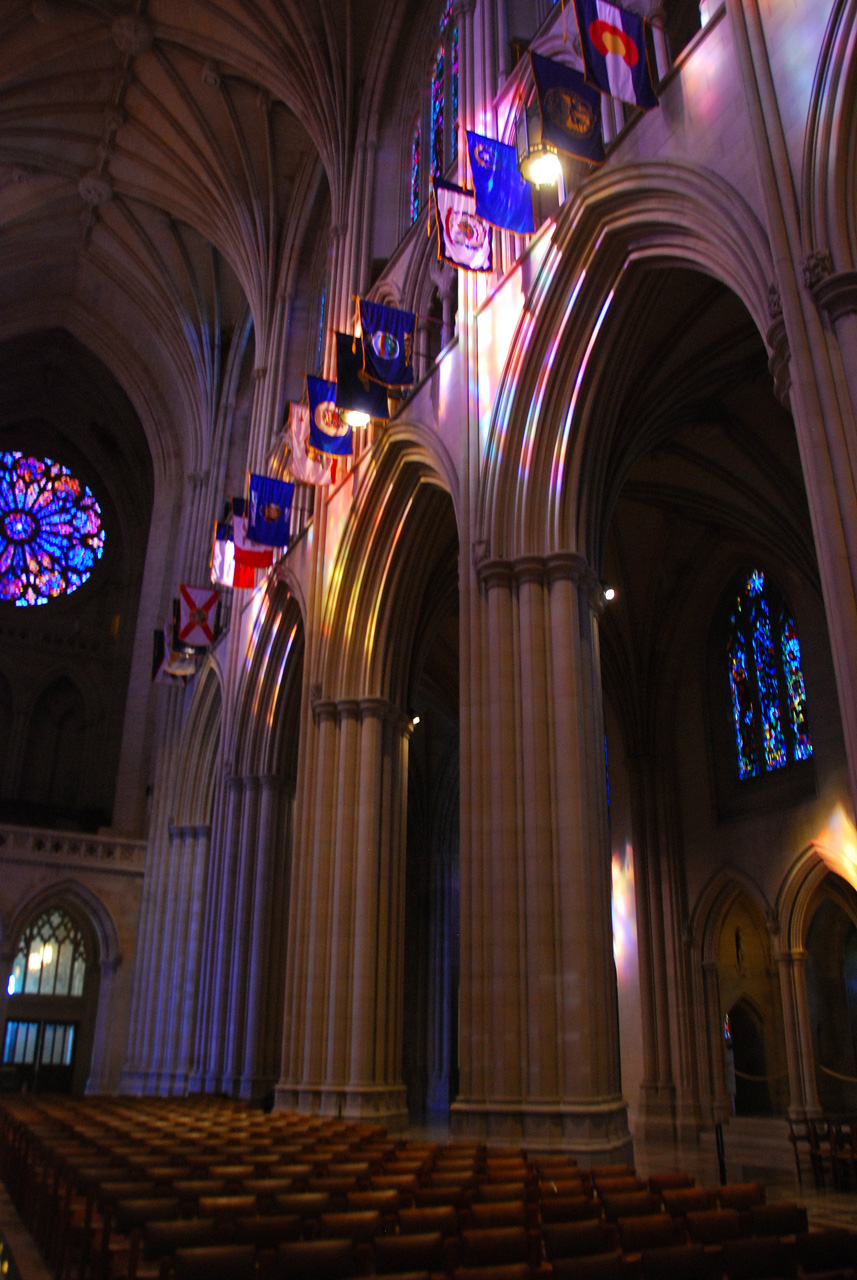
(270,511)
(613,45)
(388,343)
(327,432)
(570,109)
(354,389)
(503,197)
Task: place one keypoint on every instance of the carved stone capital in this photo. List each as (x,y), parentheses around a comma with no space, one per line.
(778,360)
(377,709)
(775,302)
(837,294)
(817,266)
(494,573)
(347,709)
(323,709)
(529,569)
(566,566)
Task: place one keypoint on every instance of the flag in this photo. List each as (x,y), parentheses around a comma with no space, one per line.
(503,197)
(327,432)
(613,45)
(224,571)
(354,390)
(248,552)
(570,109)
(463,239)
(303,462)
(388,343)
(270,511)
(169,666)
(197,607)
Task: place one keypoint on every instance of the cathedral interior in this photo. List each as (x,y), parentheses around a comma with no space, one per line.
(518,794)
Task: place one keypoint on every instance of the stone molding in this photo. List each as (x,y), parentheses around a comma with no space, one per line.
(779,358)
(836,294)
(558,566)
(71,850)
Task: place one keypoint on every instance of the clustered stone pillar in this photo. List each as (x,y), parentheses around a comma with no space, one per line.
(343,1033)
(542,965)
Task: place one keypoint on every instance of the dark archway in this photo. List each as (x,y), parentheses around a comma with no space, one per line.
(831,980)
(752,1092)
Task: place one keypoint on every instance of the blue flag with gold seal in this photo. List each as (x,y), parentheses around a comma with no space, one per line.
(503,197)
(354,388)
(570,109)
(327,432)
(270,510)
(388,343)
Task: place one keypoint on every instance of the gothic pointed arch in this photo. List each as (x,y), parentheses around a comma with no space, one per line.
(547,440)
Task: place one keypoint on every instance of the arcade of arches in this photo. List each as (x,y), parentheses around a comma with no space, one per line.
(518,795)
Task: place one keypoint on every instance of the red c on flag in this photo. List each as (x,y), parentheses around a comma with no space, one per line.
(609,38)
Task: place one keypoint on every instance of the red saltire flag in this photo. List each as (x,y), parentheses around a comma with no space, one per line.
(197,607)
(254,555)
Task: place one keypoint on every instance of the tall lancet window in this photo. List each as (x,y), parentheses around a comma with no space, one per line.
(415,172)
(453,137)
(437,96)
(766,681)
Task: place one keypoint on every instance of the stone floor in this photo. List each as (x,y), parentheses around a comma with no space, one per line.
(755,1150)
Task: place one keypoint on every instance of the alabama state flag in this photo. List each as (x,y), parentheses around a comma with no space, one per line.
(613,45)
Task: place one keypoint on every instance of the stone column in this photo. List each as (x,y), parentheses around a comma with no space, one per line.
(188,1011)
(260,943)
(99,1068)
(797,1102)
(546,970)
(804,1032)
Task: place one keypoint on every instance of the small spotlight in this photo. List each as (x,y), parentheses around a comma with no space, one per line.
(609,593)
(415,720)
(355,418)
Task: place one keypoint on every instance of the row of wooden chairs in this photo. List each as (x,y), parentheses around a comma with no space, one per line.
(104,1181)
(827,1146)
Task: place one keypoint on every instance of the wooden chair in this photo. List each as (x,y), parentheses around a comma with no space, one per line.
(600,1266)
(652,1231)
(216,1262)
(678,1203)
(831,1250)
(755,1259)
(494,1246)
(577,1239)
(410,1253)
(714,1226)
(316,1260)
(661,1182)
(568,1209)
(784,1219)
(679,1262)
(632,1204)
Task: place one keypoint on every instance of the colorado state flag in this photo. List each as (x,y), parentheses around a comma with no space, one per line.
(570,110)
(613,45)
(503,197)
(388,343)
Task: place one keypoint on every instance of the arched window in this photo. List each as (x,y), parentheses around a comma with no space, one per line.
(50,959)
(437,97)
(766,681)
(434,140)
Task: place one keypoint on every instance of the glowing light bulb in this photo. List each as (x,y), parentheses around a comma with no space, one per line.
(609,593)
(355,418)
(415,720)
(543,170)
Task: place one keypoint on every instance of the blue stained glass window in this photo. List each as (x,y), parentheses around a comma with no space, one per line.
(319,354)
(437,113)
(415,172)
(743,711)
(766,681)
(50,530)
(795,688)
(445,16)
(454,93)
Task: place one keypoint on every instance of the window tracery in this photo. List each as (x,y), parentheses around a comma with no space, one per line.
(51,958)
(51,534)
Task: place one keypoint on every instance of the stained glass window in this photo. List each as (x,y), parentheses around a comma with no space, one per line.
(415,172)
(766,681)
(454,134)
(445,16)
(437,88)
(51,958)
(50,530)
(319,354)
